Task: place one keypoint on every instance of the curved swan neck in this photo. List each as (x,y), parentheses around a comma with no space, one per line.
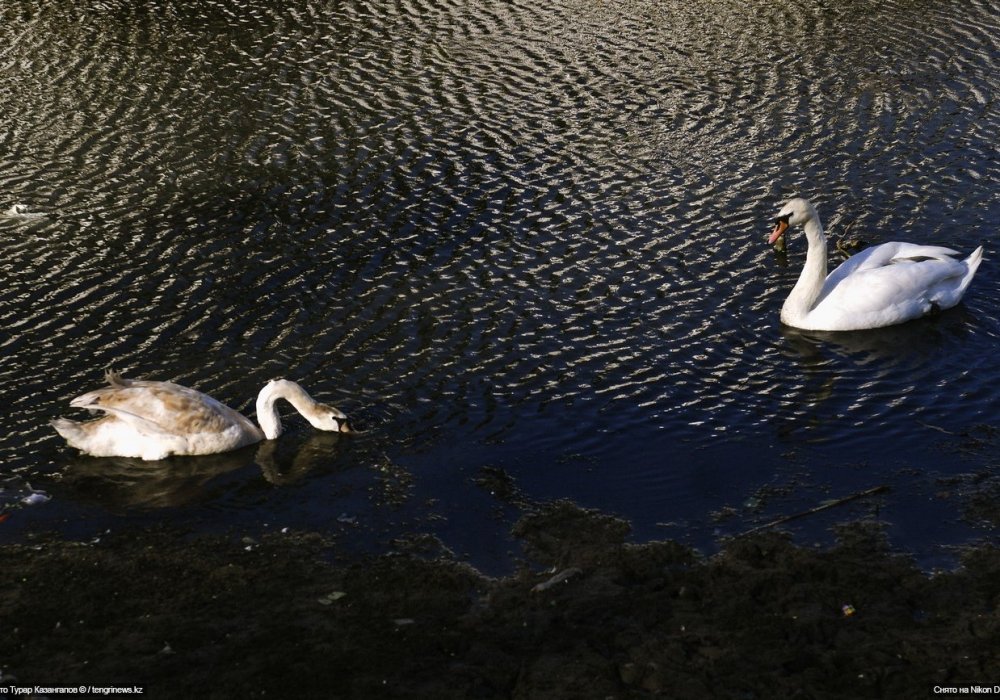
(807,290)
(267,411)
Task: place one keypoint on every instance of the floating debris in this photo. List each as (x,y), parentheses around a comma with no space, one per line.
(849,246)
(561,577)
(824,506)
(331,597)
(848,610)
(20,211)
(36,497)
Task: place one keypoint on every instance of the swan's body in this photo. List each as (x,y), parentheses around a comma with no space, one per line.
(880,286)
(154,420)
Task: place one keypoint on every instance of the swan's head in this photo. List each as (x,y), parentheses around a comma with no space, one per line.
(324,417)
(795,213)
(320,415)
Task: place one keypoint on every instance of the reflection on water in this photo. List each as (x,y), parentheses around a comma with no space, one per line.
(522,235)
(875,383)
(122,482)
(913,343)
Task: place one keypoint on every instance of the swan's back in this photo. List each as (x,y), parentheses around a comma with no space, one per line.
(893,283)
(153,420)
(175,409)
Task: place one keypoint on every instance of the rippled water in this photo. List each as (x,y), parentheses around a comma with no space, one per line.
(523,236)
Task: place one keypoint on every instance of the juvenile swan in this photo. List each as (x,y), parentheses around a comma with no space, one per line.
(153,420)
(880,286)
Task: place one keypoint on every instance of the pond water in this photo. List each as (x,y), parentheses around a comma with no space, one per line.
(515,239)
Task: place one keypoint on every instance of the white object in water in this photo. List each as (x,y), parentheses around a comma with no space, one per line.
(880,286)
(153,420)
(20,211)
(36,497)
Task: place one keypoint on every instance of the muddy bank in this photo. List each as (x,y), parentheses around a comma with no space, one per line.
(588,616)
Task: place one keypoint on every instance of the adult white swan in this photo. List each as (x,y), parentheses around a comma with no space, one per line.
(153,420)
(880,286)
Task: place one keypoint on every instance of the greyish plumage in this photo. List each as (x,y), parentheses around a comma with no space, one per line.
(154,420)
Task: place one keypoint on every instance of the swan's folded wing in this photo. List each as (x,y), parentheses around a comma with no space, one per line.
(170,442)
(161,407)
(887,254)
(892,293)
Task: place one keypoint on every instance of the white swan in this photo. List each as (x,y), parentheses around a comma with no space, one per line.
(153,420)
(880,286)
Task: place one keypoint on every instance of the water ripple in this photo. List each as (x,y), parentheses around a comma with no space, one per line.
(526,223)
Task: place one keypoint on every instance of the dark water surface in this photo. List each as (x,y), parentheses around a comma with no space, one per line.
(521,236)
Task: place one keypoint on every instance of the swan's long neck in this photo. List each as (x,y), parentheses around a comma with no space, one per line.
(807,290)
(267,410)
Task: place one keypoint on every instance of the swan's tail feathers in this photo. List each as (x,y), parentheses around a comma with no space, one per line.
(974,259)
(115,379)
(972,263)
(71,431)
(89,401)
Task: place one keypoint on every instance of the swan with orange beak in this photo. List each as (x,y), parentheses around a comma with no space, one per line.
(880,286)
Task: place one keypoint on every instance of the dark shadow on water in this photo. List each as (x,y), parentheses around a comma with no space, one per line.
(828,374)
(124,483)
(917,339)
(284,463)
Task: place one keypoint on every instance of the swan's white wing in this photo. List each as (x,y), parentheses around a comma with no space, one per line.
(886,254)
(120,436)
(902,289)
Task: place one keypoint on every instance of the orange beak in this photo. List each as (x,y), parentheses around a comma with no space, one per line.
(779,231)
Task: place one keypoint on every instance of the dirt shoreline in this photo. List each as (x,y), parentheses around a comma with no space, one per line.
(588,615)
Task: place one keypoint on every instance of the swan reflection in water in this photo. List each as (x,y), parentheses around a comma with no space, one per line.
(845,384)
(129,482)
(912,341)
